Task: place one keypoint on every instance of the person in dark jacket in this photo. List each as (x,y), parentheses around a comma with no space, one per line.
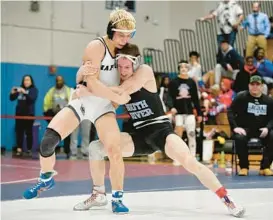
(243,77)
(26,95)
(251,116)
(228,62)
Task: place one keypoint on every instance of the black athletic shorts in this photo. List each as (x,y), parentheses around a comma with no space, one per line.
(151,138)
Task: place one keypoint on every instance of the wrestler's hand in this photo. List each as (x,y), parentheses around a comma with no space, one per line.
(82,91)
(88,69)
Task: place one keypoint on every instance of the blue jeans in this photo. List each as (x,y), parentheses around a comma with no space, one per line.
(230,37)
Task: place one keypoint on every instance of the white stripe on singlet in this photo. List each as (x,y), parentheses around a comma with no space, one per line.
(160,119)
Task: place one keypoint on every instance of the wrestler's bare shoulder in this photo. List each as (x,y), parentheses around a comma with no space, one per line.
(146,70)
(94,47)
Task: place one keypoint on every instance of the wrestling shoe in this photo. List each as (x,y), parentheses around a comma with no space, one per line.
(45,183)
(235,210)
(97,199)
(117,205)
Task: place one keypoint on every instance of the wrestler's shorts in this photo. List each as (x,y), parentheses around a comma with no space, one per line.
(151,138)
(91,108)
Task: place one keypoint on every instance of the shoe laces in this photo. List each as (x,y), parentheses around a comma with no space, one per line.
(229,203)
(119,203)
(93,197)
(37,185)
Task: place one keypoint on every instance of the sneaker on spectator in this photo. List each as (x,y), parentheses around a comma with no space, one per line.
(266,172)
(243,172)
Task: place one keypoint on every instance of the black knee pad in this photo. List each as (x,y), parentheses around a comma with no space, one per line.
(49,142)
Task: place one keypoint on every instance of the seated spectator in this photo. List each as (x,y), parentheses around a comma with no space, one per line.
(209,100)
(251,116)
(263,65)
(164,94)
(222,100)
(271,28)
(209,79)
(243,77)
(228,62)
(26,94)
(258,27)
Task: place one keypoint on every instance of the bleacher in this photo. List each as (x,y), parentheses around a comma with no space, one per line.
(203,40)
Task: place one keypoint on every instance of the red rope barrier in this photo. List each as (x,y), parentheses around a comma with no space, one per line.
(121,116)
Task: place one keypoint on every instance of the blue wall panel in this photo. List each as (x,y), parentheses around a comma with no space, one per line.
(11,75)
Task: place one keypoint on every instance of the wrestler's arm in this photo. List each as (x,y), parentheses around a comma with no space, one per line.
(142,76)
(91,69)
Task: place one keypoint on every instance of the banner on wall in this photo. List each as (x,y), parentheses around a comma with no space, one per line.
(128,5)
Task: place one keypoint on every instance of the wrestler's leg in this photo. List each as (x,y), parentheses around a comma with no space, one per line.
(97,153)
(57,130)
(109,135)
(178,150)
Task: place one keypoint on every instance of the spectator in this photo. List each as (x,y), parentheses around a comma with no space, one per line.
(184,94)
(56,98)
(209,101)
(26,95)
(263,65)
(220,100)
(251,116)
(258,27)
(225,97)
(229,16)
(164,93)
(195,70)
(243,77)
(228,62)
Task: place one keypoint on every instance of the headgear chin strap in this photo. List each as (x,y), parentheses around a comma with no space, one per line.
(137,61)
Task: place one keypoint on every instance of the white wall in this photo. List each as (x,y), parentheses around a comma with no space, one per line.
(184,13)
(27,37)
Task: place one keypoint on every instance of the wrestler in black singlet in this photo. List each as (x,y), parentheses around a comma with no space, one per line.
(151,125)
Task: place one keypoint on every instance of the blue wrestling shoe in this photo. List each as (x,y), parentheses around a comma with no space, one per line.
(45,182)
(117,206)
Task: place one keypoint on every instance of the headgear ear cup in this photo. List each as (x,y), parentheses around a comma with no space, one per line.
(133,34)
(139,61)
(110,33)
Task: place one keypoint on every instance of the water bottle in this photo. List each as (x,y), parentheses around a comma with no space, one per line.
(228,168)
(215,167)
(222,159)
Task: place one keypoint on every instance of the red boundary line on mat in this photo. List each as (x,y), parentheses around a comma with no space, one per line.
(121,116)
